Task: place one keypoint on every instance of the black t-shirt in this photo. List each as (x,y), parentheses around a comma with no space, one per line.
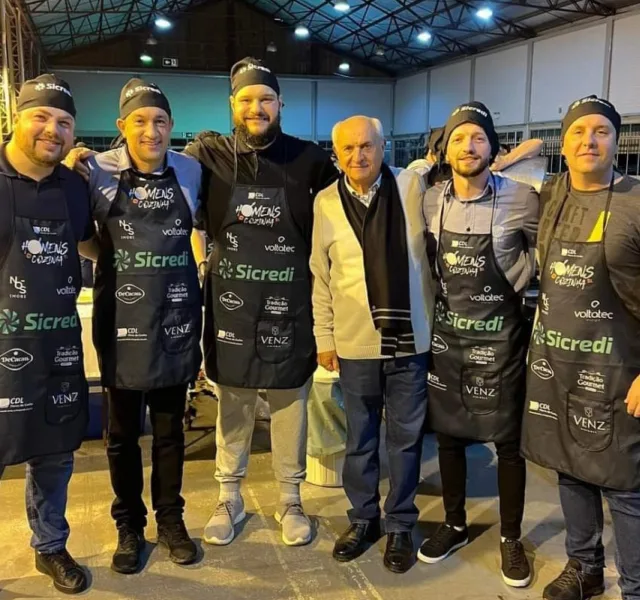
(303,167)
(26,190)
(583,220)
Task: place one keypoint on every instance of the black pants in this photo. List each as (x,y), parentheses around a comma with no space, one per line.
(166,407)
(512,476)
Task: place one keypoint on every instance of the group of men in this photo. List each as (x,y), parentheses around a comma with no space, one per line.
(414,295)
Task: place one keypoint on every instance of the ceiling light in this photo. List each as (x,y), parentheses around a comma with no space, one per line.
(379,51)
(162,23)
(302,31)
(146,58)
(344,67)
(278,19)
(424,37)
(151,41)
(272,47)
(341,6)
(484,13)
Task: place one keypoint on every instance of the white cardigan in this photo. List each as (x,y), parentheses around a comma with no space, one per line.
(342,319)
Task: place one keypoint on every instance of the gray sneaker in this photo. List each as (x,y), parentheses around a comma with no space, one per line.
(220,530)
(296,527)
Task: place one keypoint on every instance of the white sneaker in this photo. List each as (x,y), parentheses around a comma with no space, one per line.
(220,530)
(296,526)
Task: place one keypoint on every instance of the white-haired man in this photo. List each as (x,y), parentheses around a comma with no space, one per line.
(372,304)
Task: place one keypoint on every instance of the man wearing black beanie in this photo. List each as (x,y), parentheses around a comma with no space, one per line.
(582,415)
(258,322)
(147,315)
(44,213)
(482,227)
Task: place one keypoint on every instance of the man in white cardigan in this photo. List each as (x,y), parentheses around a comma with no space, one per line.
(373,298)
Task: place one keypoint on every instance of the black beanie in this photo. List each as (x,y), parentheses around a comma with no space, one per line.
(46,90)
(251,71)
(138,93)
(591,105)
(472,112)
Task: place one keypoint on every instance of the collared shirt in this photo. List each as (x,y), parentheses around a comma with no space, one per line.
(107,167)
(514,226)
(367,198)
(30,192)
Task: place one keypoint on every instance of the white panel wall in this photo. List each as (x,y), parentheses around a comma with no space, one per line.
(624,89)
(411,106)
(197,102)
(338,100)
(501,84)
(297,115)
(565,68)
(450,86)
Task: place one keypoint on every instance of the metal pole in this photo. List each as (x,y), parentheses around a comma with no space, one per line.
(5,103)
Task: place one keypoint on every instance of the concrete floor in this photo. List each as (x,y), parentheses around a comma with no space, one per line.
(257,564)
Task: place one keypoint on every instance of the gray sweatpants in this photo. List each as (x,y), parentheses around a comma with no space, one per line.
(234,430)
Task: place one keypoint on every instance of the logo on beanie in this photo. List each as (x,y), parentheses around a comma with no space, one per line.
(39,87)
(251,67)
(589,100)
(467,108)
(141,88)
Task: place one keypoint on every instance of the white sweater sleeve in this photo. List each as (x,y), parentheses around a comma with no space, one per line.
(321,296)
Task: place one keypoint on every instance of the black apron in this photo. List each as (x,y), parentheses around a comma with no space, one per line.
(43,390)
(584,356)
(147,302)
(479,342)
(258,322)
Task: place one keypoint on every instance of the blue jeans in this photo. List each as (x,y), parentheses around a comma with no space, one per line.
(398,386)
(47,480)
(583,514)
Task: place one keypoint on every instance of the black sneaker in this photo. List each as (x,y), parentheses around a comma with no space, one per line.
(515,566)
(573,584)
(131,543)
(443,542)
(176,538)
(67,575)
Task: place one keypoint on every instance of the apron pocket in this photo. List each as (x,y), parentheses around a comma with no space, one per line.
(590,422)
(67,395)
(275,339)
(480,391)
(180,328)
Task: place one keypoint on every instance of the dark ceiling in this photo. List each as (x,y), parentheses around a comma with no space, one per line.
(379,34)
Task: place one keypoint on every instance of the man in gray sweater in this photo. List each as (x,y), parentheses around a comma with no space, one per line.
(372,303)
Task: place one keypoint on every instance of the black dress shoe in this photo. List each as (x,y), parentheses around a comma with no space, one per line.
(175,537)
(131,543)
(67,575)
(356,540)
(399,556)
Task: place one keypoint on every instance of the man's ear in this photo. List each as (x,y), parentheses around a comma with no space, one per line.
(120,124)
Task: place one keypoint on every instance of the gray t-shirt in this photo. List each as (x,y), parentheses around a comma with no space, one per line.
(582,220)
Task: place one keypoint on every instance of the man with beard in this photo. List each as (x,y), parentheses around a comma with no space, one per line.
(481,228)
(583,391)
(147,315)
(258,323)
(43,391)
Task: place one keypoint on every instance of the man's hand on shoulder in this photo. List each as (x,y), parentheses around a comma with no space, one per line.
(76,160)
